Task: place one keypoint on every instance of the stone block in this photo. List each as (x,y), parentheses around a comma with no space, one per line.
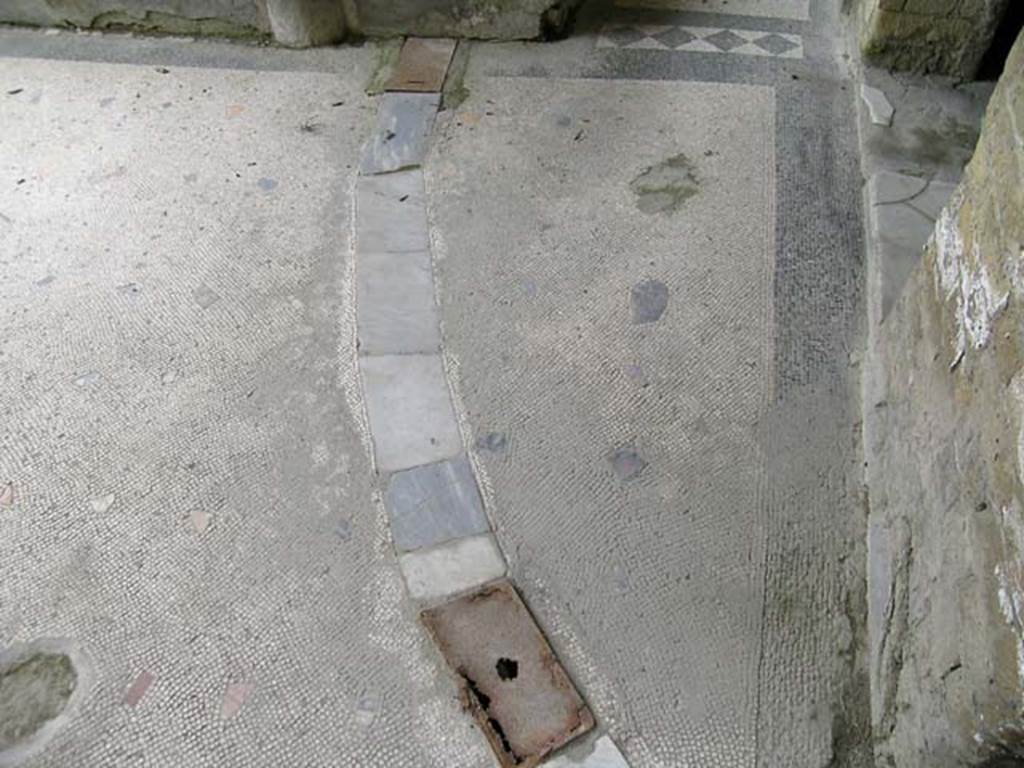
(404,122)
(435,503)
(928,36)
(482,19)
(397,314)
(879,108)
(945,531)
(602,754)
(452,567)
(223,18)
(304,23)
(410,410)
(391,214)
(931,7)
(903,213)
(1014,95)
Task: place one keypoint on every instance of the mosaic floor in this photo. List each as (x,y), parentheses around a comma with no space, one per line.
(252,344)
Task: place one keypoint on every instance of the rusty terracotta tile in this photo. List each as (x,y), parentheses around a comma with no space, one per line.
(509,677)
(138,688)
(422,65)
(234,697)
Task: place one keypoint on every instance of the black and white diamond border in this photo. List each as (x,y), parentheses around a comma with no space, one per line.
(660,37)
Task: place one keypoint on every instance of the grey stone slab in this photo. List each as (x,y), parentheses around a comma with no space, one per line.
(649,300)
(302,23)
(410,410)
(436,503)
(452,567)
(397,313)
(878,105)
(902,210)
(601,754)
(404,121)
(391,213)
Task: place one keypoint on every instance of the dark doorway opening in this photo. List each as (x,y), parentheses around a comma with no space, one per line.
(1006,35)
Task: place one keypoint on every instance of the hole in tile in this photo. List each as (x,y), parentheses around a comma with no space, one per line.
(507,669)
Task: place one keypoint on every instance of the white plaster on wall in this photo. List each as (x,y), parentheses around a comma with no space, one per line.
(964,280)
(1010,578)
(978,304)
(949,245)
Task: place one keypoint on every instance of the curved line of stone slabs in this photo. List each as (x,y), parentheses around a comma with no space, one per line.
(440,531)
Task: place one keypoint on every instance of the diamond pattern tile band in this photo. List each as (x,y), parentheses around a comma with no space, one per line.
(666,37)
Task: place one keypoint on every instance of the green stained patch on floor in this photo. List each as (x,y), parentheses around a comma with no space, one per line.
(33,691)
(664,187)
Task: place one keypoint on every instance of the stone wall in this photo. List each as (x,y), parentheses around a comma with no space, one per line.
(487,19)
(303,22)
(929,36)
(944,429)
(225,18)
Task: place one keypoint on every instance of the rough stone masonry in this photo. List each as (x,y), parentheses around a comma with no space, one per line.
(302,23)
(945,446)
(931,36)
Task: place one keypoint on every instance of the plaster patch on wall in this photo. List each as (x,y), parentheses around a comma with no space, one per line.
(1011,602)
(963,280)
(1017,390)
(949,245)
(1010,578)
(977,304)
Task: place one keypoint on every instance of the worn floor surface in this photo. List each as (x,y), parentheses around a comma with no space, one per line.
(650,267)
(647,245)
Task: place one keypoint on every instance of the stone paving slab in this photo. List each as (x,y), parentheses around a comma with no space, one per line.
(391,214)
(422,64)
(434,503)
(396,308)
(410,411)
(452,567)
(603,754)
(878,105)
(400,139)
(903,213)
